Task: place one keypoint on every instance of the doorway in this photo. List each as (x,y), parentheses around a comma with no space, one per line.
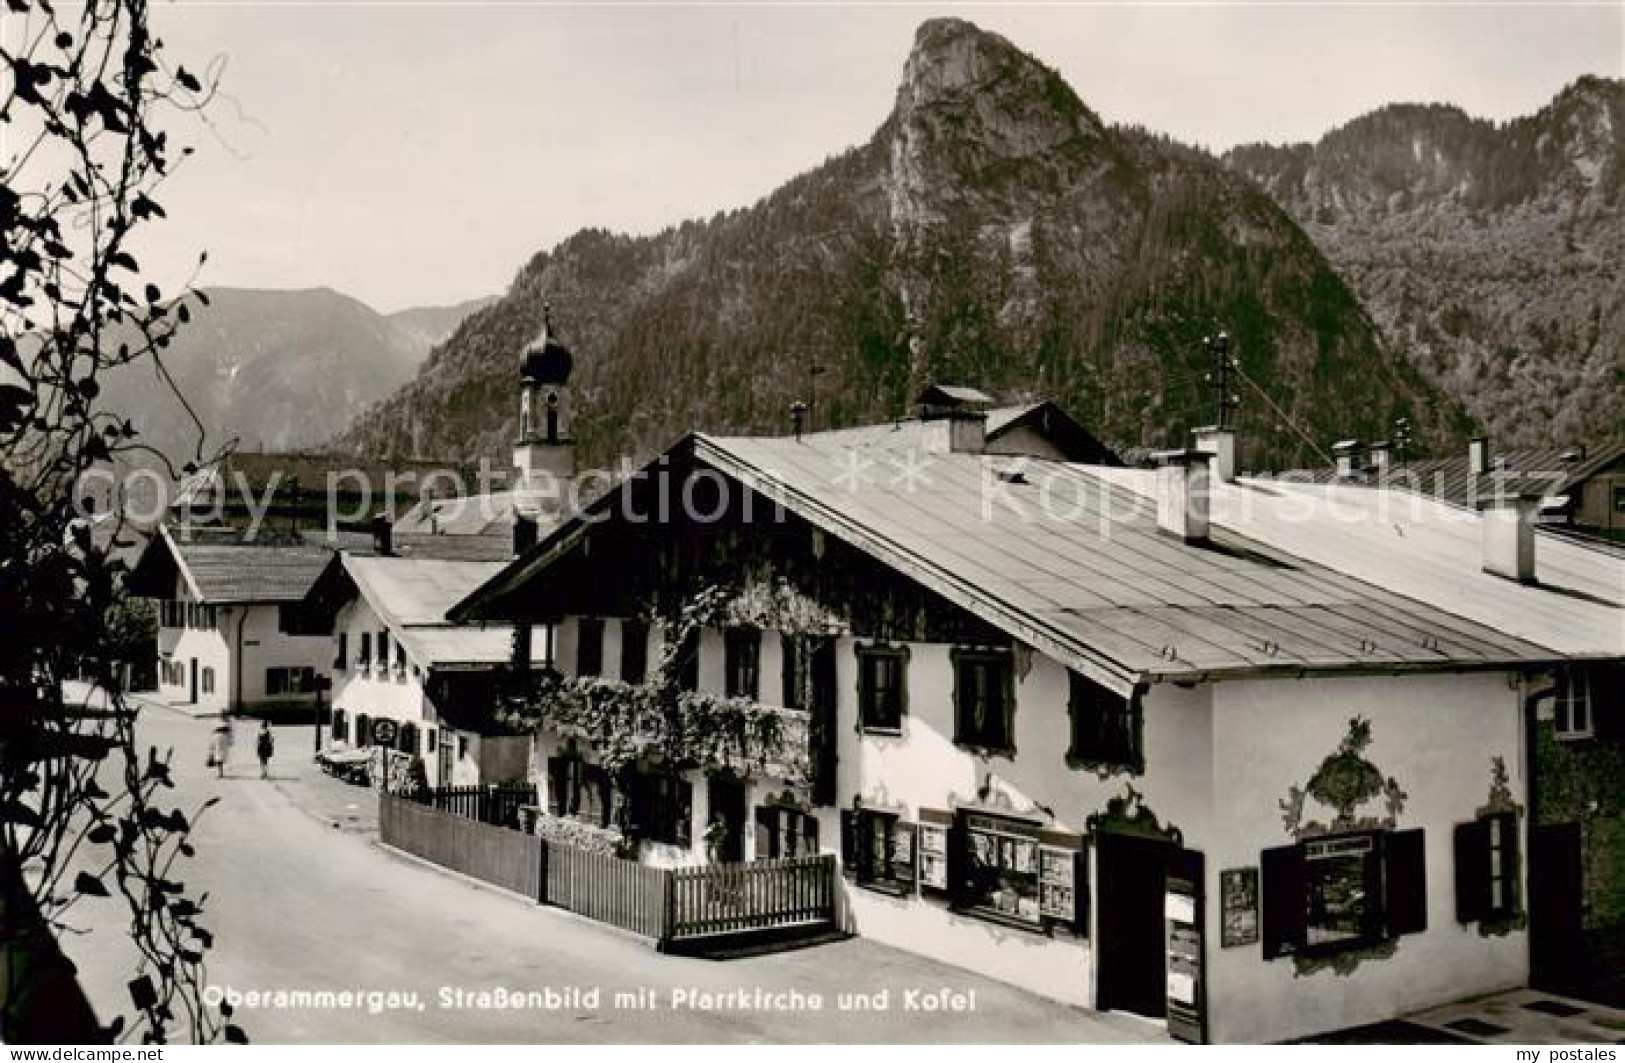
(725,800)
(1133,877)
(193,698)
(1556,877)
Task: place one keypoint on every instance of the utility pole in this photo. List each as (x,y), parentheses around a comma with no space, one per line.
(1402,439)
(1224,399)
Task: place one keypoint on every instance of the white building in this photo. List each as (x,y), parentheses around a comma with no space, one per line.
(407,680)
(229,636)
(1070,734)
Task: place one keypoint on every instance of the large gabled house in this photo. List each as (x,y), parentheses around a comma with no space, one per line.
(229,636)
(405,680)
(1064,732)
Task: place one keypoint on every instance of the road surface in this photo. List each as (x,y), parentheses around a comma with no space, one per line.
(299,907)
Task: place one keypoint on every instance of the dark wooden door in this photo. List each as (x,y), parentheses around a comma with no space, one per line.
(1133,876)
(726,799)
(1555,885)
(193,698)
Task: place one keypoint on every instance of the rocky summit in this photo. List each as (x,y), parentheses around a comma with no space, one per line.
(994,231)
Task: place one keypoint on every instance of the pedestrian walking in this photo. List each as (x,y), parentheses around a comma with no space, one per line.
(220,748)
(265,746)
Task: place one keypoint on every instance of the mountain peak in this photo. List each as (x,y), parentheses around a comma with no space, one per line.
(991,90)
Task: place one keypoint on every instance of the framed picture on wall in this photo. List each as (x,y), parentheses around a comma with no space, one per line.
(1238,894)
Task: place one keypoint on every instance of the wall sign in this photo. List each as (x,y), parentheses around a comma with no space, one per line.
(1238,890)
(384,731)
(1058,883)
(1182,912)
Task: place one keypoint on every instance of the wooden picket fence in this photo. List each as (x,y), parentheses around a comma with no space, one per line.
(491,854)
(622,893)
(672,907)
(718,899)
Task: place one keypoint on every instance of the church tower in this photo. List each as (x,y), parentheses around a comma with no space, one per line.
(544,457)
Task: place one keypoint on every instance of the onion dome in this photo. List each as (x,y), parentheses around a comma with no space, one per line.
(546,361)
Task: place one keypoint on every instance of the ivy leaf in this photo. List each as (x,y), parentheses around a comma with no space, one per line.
(89,885)
(186,81)
(235,1035)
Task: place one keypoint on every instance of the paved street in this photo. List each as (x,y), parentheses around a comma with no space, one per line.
(298,904)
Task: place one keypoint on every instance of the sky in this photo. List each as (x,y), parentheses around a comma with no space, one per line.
(414,154)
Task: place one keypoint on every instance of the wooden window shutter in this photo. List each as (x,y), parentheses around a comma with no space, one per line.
(957,860)
(849,843)
(1281,870)
(1407,898)
(1472,870)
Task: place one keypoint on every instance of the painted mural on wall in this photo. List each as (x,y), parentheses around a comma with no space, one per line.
(1345,784)
(1360,798)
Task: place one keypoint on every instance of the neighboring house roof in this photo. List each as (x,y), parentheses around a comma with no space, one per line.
(227,570)
(314,471)
(490,514)
(410,596)
(1095,584)
(1548,471)
(1430,551)
(1055,425)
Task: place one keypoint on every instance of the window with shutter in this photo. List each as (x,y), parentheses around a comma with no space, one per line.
(1107,728)
(882,688)
(984,700)
(1486,852)
(1284,924)
(1472,844)
(1407,894)
(742,652)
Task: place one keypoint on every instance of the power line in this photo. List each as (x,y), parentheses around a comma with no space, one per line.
(1282,414)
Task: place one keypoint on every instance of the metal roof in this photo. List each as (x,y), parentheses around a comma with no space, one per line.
(1091,578)
(411,597)
(1088,578)
(491,513)
(1543,470)
(1046,418)
(1432,552)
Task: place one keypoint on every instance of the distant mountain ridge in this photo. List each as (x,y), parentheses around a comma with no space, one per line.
(278,370)
(994,232)
(1492,255)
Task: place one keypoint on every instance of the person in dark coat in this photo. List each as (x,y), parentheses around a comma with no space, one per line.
(265,746)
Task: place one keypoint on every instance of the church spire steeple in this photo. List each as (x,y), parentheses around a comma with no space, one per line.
(544,453)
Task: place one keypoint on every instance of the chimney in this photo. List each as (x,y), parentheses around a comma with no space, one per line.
(798,417)
(524,533)
(1347,454)
(383,536)
(1380,458)
(967,432)
(1221,443)
(1508,526)
(1183,481)
(1478,456)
